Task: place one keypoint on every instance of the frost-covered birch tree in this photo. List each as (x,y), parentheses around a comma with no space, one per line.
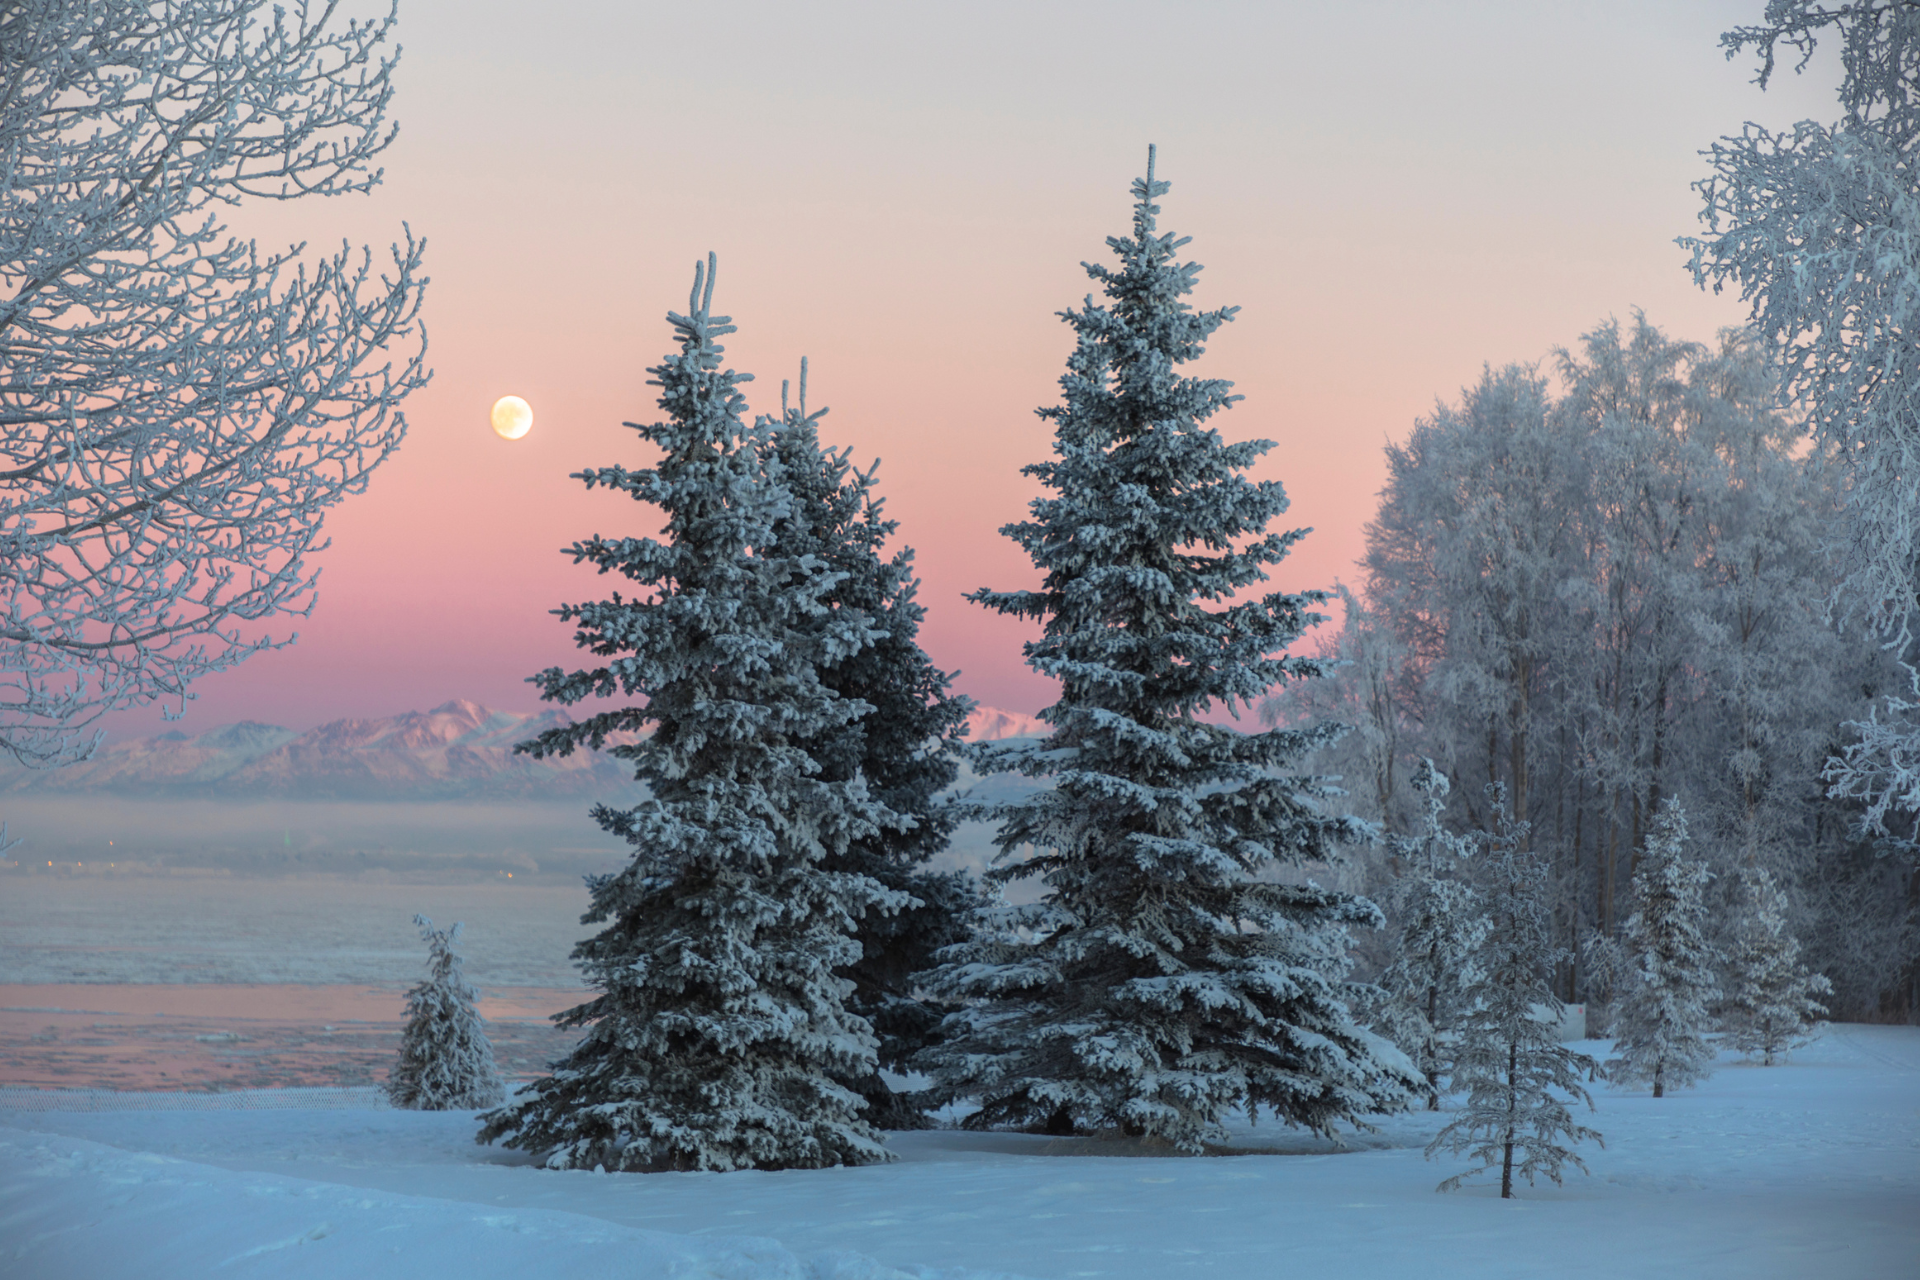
(721,1032)
(1518,1079)
(446,1061)
(1169,976)
(180,407)
(1371,678)
(1657,530)
(905,749)
(1818,228)
(1475,534)
(1773,1003)
(1665,1014)
(1441,926)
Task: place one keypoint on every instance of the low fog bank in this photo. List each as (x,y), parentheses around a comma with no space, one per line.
(186,925)
(119,889)
(282,929)
(550,840)
(105,835)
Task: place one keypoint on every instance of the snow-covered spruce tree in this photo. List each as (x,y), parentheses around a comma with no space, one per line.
(721,1029)
(446,1060)
(1441,924)
(1661,1027)
(905,748)
(1518,1079)
(1161,984)
(1774,1004)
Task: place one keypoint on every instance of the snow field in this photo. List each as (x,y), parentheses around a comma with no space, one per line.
(1809,1169)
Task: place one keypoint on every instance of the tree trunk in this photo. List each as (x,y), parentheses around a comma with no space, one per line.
(1608,856)
(1659,758)
(1513,1103)
(1433,1049)
(1519,713)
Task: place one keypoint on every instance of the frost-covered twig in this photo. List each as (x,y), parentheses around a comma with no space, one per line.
(178,408)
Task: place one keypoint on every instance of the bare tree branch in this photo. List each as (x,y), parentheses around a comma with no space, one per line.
(178,409)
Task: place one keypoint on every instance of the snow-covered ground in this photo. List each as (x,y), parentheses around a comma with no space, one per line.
(1810,1169)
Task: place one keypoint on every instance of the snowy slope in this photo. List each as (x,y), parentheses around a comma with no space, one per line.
(1811,1169)
(991,724)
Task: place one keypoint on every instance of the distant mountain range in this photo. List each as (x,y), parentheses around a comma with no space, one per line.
(458,750)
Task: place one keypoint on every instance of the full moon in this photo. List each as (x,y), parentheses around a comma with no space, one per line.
(512,417)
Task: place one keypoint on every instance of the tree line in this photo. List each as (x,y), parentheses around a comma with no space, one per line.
(1605,588)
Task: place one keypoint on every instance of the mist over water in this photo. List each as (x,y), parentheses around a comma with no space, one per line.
(96,832)
(226,954)
(310,929)
(192,942)
(108,889)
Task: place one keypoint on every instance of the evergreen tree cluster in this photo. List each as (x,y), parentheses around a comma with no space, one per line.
(780,936)
(723,1036)
(1544,578)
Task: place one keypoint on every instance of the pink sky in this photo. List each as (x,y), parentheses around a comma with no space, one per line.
(1394,193)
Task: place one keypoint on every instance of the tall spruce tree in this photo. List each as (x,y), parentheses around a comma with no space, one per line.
(1161,983)
(905,748)
(1518,1079)
(1775,1002)
(1441,924)
(721,1030)
(1661,1028)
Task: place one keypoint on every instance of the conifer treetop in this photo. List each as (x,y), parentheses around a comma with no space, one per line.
(1150,515)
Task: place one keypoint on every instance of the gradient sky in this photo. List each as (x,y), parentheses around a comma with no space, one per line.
(1393,193)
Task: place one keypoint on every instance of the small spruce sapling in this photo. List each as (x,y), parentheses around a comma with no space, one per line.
(1518,1079)
(1662,1025)
(1774,1006)
(1441,925)
(446,1062)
